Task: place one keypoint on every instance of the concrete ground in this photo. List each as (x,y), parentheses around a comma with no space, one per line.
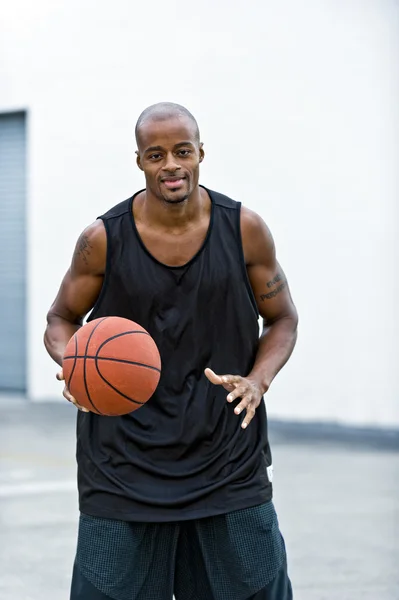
(337,500)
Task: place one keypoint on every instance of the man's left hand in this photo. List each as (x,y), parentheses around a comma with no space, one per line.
(239,387)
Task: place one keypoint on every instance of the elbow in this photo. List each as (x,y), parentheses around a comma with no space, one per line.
(286,325)
(294,317)
(51,319)
(288,319)
(47,336)
(47,341)
(291,326)
(294,321)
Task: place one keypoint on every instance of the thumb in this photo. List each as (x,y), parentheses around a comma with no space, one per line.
(60,375)
(213,378)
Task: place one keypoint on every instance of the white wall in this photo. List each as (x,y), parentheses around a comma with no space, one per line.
(297,104)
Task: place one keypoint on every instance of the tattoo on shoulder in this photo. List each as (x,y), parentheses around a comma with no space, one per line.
(83,248)
(274,292)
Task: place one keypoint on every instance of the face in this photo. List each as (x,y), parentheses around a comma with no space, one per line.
(169,154)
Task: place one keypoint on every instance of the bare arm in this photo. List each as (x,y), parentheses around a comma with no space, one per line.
(79,290)
(273,299)
(280,319)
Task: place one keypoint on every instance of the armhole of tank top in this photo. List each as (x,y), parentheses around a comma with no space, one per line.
(101,295)
(244,266)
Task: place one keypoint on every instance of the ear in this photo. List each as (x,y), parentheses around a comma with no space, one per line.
(138,161)
(201,152)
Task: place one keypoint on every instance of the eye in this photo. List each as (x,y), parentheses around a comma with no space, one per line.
(154,156)
(184,152)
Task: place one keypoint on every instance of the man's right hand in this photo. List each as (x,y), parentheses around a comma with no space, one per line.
(66,393)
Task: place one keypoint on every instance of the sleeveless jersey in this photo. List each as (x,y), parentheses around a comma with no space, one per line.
(183,455)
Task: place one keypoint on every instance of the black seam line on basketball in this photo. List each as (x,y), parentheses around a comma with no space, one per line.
(84,367)
(118,335)
(114,388)
(119,360)
(68,383)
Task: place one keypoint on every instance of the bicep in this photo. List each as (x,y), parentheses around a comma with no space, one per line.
(270,287)
(267,278)
(83,281)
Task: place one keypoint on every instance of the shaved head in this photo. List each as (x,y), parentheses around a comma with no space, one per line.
(162,112)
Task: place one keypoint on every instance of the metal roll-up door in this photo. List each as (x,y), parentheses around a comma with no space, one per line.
(13,252)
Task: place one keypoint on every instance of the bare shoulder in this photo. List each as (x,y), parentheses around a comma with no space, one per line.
(90,252)
(257,240)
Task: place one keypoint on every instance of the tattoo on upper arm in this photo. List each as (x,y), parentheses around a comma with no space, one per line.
(273,293)
(275,280)
(83,248)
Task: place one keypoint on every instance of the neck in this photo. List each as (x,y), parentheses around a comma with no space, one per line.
(172,215)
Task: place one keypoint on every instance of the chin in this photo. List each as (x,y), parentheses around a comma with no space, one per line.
(178,196)
(176,199)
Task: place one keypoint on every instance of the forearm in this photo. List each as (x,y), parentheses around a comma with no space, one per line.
(57,335)
(275,347)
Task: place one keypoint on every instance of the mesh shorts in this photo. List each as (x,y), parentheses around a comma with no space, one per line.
(236,556)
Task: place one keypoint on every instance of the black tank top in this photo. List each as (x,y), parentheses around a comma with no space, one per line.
(183,455)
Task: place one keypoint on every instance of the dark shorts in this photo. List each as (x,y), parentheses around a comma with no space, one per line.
(236,556)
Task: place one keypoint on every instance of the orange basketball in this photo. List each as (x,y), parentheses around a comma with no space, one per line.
(111,366)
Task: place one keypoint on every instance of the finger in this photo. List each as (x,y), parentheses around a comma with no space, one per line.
(245,402)
(222,379)
(217,380)
(60,375)
(67,394)
(232,379)
(81,408)
(213,378)
(229,387)
(72,400)
(248,417)
(237,392)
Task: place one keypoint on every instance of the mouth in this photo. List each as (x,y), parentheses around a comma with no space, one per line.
(173,183)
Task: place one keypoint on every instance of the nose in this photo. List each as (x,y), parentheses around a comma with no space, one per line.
(171,165)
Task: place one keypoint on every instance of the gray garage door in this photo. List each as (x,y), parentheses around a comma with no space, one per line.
(12,252)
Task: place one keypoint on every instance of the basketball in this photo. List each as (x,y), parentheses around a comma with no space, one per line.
(111,366)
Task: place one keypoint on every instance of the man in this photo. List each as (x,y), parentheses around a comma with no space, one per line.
(175,498)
